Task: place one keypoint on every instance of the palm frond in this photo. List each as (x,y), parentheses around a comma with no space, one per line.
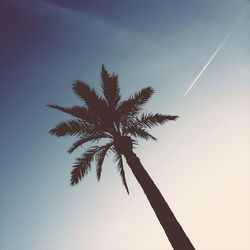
(70,127)
(100,155)
(83,165)
(93,102)
(151,120)
(139,132)
(76,111)
(134,104)
(84,91)
(110,87)
(91,137)
(118,159)
(143,96)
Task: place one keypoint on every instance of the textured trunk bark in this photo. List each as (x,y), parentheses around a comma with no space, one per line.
(171,226)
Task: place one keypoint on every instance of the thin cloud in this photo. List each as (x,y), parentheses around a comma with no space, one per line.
(139,16)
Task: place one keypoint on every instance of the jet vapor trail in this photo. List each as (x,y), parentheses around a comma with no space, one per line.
(216,51)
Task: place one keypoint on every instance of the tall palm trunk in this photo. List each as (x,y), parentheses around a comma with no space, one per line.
(171,226)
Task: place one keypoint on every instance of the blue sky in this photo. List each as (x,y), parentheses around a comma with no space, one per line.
(45,45)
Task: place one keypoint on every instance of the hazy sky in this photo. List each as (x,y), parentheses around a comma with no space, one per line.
(45,45)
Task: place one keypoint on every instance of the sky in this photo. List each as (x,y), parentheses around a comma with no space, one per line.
(200,162)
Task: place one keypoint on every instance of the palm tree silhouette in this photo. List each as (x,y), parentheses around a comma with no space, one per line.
(118,124)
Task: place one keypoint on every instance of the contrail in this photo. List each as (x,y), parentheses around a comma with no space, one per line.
(217,50)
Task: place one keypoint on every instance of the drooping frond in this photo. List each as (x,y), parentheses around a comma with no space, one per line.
(70,127)
(139,132)
(110,87)
(91,137)
(83,165)
(100,155)
(151,120)
(134,104)
(118,159)
(76,111)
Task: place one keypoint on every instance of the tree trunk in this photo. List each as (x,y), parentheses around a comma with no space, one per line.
(171,226)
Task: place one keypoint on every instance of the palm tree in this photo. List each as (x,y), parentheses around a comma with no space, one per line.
(118,124)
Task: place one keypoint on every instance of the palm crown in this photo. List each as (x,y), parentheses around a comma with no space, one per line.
(105,118)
